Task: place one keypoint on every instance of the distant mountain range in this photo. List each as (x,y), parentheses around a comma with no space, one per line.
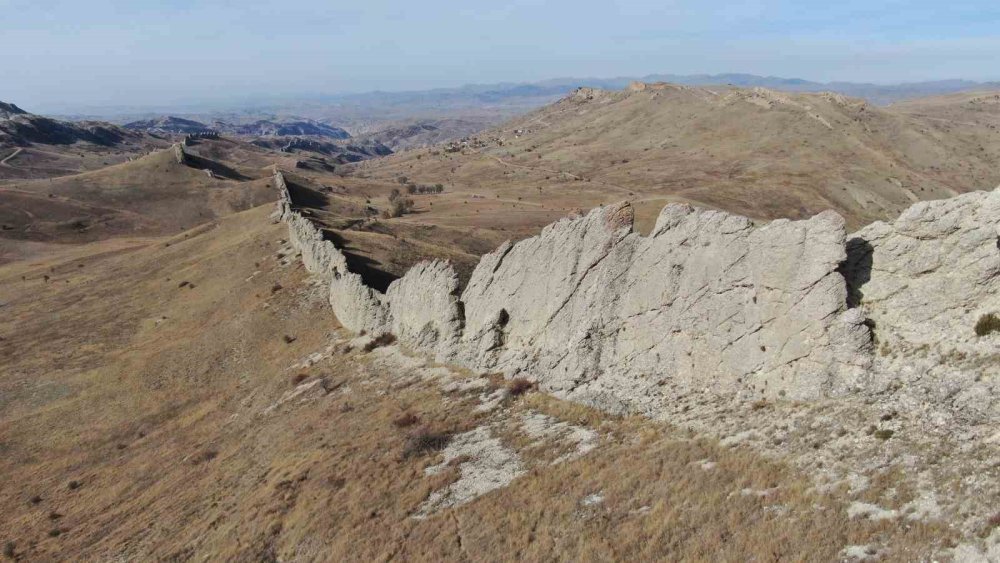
(502,100)
(260,128)
(503,93)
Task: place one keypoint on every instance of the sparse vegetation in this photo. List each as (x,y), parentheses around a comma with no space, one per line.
(399,204)
(424,440)
(519,386)
(204,456)
(987,324)
(384,339)
(883,434)
(405,420)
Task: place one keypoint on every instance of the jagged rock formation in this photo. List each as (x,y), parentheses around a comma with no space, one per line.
(927,276)
(708,301)
(923,281)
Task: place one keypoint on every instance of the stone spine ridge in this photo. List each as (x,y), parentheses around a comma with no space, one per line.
(597,313)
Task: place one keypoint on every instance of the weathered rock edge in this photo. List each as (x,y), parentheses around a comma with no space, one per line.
(708,301)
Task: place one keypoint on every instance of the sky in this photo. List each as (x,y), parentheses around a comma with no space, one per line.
(56,55)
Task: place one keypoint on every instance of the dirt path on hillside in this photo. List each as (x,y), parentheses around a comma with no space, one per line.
(16,152)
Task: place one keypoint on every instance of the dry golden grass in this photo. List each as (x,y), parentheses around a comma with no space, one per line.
(175,411)
(152,195)
(698,146)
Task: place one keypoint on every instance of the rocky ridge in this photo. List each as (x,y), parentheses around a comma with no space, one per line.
(855,358)
(599,314)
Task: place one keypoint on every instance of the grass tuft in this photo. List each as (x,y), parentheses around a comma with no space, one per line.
(423,441)
(385,339)
(405,420)
(519,386)
(987,324)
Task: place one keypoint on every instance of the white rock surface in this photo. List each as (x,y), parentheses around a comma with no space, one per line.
(927,277)
(600,314)
(490,465)
(424,309)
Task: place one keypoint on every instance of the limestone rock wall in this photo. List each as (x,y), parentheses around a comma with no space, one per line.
(923,281)
(598,312)
(357,306)
(424,309)
(179,155)
(925,278)
(707,302)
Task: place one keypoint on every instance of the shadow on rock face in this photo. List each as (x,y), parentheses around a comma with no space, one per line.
(371,274)
(857,269)
(217,168)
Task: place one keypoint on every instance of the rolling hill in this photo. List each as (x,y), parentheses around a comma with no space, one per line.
(751,151)
(32,146)
(152,195)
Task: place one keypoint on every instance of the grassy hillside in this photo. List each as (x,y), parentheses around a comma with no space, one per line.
(193,398)
(151,195)
(755,152)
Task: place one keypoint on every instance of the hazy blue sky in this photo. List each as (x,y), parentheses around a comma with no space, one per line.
(58,54)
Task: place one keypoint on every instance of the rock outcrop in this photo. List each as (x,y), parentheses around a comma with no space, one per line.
(923,282)
(597,313)
(708,300)
(179,154)
(925,278)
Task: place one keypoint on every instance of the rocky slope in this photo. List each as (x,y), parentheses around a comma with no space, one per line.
(342,152)
(792,337)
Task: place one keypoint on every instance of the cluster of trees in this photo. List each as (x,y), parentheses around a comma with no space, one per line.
(414,188)
(399,205)
(421,189)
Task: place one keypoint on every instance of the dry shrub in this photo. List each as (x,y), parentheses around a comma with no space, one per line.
(987,324)
(382,340)
(519,386)
(425,440)
(204,456)
(991,523)
(404,420)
